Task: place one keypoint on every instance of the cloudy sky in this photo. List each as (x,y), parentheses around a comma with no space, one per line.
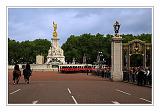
(32,23)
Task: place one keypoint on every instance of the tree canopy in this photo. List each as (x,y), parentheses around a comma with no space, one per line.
(89,45)
(26,51)
(75,47)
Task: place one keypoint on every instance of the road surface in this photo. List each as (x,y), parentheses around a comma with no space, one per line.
(79,88)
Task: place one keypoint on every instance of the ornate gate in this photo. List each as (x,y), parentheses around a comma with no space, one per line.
(137,47)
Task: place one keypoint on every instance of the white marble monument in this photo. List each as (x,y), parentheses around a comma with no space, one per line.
(55,53)
(116,55)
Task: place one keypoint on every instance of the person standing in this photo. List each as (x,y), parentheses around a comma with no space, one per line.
(148,76)
(140,77)
(144,77)
(16,74)
(27,73)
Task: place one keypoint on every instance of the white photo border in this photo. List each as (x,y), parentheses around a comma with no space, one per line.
(4,42)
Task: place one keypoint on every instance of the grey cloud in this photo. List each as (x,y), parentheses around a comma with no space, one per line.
(33,23)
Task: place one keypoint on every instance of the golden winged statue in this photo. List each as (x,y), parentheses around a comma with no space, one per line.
(55,28)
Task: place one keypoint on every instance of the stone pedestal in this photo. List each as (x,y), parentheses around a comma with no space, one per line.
(116,56)
(55,56)
(39,59)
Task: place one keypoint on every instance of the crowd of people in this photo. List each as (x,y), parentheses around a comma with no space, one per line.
(104,72)
(135,75)
(138,75)
(17,73)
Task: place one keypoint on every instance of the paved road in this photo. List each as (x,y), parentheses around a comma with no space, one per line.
(58,88)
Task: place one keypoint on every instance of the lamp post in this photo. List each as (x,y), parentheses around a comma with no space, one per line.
(99,58)
(116,54)
(84,59)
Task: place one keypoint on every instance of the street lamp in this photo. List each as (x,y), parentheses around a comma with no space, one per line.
(99,58)
(84,59)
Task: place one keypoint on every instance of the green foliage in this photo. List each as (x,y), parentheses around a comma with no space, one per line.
(75,47)
(26,51)
(144,37)
(90,45)
(86,44)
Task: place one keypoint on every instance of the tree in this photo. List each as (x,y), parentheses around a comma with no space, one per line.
(75,47)
(90,45)
(26,51)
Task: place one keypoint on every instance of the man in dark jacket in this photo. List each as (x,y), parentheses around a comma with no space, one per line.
(27,73)
(140,77)
(16,74)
